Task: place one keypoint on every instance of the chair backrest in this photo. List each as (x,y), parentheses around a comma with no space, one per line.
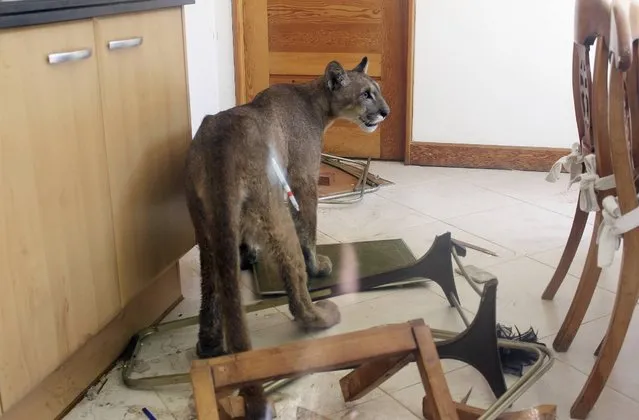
(590,91)
(623,103)
(624,30)
(624,55)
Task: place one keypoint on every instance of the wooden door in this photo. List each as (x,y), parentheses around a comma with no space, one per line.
(58,275)
(147,126)
(291,41)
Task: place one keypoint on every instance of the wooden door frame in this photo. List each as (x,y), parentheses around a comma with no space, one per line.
(240,63)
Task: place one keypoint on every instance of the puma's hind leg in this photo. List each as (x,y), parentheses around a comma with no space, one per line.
(226,270)
(210,336)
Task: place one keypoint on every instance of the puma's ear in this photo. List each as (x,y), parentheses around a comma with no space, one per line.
(362,67)
(336,76)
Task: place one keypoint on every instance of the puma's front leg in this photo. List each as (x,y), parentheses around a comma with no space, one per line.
(306,226)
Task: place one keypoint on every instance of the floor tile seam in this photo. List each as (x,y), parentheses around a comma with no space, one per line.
(463,366)
(533,203)
(400,403)
(462,215)
(326,234)
(598,318)
(450,219)
(357,403)
(401,187)
(480,237)
(570,275)
(388,293)
(399,203)
(165,405)
(587,373)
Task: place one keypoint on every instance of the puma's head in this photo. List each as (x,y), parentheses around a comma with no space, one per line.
(354,96)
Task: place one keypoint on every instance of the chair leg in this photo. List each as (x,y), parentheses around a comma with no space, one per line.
(583,295)
(625,304)
(365,378)
(574,239)
(204,393)
(438,398)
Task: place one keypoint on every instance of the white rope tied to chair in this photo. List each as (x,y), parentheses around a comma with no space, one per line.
(590,183)
(571,163)
(612,228)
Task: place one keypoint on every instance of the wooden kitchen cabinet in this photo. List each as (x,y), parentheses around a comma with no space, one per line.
(58,273)
(94,130)
(146,120)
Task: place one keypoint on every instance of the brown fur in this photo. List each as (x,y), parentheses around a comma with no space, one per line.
(237,208)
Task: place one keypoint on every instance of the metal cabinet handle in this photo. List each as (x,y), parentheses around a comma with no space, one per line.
(125,43)
(63,57)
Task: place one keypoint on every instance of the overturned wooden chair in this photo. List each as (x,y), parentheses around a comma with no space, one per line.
(613,113)
(375,354)
(217,377)
(477,346)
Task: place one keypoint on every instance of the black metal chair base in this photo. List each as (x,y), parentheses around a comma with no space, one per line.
(477,346)
(436,265)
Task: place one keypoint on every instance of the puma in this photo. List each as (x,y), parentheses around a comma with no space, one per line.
(237,207)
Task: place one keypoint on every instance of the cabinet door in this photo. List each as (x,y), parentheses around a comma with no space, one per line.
(147,126)
(58,273)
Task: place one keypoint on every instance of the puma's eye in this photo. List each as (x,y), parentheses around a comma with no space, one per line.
(367,95)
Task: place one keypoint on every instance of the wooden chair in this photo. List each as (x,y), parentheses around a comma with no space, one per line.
(214,379)
(592,23)
(620,213)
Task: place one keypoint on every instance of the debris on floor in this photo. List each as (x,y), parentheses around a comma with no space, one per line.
(95,390)
(345,181)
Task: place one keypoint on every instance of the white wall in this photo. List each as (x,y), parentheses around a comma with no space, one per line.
(494,72)
(209,47)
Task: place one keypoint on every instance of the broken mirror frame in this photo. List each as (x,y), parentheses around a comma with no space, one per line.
(366,182)
(435,265)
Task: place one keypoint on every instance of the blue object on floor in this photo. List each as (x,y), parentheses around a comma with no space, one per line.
(148,414)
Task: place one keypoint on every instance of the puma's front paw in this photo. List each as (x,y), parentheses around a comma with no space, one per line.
(319,266)
(324,266)
(325,314)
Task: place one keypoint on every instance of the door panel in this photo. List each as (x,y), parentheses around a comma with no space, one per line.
(147,126)
(298,38)
(313,64)
(325,26)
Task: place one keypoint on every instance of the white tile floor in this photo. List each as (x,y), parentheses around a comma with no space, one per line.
(516,214)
